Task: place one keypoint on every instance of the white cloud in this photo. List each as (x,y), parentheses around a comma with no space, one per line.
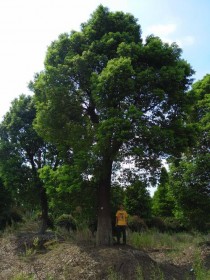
(162,30)
(167,33)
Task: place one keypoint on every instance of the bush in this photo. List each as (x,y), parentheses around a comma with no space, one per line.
(136,224)
(157,223)
(9,217)
(66,221)
(174,225)
(164,224)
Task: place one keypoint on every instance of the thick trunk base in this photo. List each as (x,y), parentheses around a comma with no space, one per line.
(104,232)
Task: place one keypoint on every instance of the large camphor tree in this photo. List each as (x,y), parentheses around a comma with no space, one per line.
(105,95)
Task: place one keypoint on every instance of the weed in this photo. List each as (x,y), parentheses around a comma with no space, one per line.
(113,275)
(139,273)
(199,269)
(23,276)
(157,274)
(31,250)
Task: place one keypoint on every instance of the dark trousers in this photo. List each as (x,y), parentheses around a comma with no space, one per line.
(121,230)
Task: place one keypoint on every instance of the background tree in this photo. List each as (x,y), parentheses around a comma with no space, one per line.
(163,201)
(190,177)
(190,186)
(138,200)
(104,95)
(22,154)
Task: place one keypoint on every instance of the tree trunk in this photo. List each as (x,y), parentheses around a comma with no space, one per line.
(44,209)
(104,227)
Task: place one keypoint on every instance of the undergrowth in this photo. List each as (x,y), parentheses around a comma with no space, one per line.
(146,240)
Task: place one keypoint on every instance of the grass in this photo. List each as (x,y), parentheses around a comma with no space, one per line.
(156,274)
(157,240)
(199,270)
(139,273)
(81,236)
(113,275)
(22,276)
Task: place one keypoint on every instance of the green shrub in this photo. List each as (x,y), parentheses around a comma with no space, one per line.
(66,221)
(174,225)
(136,224)
(7,218)
(157,223)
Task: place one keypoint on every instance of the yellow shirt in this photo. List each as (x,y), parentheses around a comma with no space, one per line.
(121,216)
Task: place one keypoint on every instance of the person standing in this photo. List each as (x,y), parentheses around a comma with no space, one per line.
(121,224)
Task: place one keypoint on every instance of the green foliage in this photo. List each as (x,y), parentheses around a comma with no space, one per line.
(167,224)
(20,147)
(136,224)
(156,223)
(190,183)
(173,224)
(100,95)
(66,221)
(22,153)
(138,200)
(163,200)
(199,270)
(67,191)
(189,176)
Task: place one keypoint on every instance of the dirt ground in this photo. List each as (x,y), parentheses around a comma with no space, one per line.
(46,257)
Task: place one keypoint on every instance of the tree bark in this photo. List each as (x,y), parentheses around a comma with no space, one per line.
(104,227)
(44,209)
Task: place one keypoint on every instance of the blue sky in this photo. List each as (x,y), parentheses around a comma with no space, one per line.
(27,27)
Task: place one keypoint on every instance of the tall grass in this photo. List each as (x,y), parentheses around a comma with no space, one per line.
(156,240)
